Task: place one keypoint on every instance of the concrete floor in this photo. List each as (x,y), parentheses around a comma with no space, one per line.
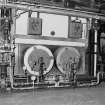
(64,96)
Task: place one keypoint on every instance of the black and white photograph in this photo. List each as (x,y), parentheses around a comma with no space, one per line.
(52,52)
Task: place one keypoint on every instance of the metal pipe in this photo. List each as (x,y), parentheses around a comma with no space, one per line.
(92,83)
(95,53)
(78,85)
(54,10)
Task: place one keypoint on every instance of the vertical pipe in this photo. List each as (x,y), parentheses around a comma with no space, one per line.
(95,54)
(91,48)
(95,50)
(69,22)
(12,41)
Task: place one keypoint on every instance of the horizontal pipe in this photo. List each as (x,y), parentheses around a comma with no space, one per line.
(92,83)
(54,10)
(78,85)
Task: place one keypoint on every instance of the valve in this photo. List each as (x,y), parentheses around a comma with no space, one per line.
(74,67)
(41,69)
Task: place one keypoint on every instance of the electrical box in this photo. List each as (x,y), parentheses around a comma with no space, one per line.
(76,29)
(34,26)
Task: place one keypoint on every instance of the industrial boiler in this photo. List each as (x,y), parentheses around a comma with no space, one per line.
(48,46)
